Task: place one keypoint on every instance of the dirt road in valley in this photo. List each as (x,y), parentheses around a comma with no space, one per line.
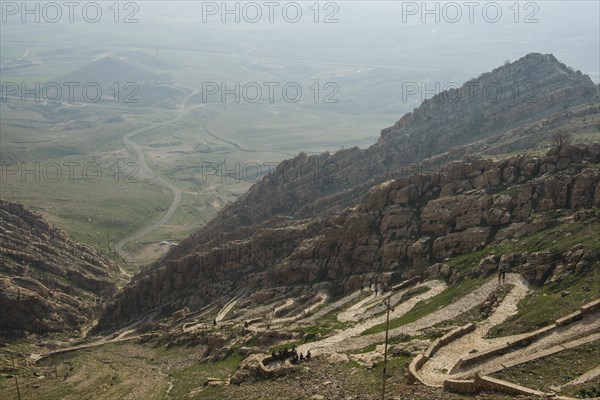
(144,172)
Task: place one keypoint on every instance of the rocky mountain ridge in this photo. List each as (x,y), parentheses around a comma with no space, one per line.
(48,282)
(398,228)
(515,107)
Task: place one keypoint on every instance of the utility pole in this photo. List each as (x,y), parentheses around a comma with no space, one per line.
(12,357)
(387,327)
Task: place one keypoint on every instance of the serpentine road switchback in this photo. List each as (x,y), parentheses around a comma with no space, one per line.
(145,172)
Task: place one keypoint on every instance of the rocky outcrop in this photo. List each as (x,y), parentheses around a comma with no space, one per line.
(549,266)
(258,367)
(48,282)
(419,219)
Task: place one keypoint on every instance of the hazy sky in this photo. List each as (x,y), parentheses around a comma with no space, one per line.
(471,37)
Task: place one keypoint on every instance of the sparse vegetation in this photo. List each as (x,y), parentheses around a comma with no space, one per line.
(426,307)
(545,304)
(561,139)
(590,389)
(554,370)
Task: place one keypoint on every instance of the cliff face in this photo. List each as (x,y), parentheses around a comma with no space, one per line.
(48,283)
(338,217)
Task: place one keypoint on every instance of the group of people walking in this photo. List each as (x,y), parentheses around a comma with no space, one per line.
(374,284)
(291,355)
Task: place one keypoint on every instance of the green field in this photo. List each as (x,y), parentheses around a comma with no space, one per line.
(184,141)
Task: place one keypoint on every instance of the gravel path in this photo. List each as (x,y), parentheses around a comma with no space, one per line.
(413,328)
(434,371)
(145,172)
(335,342)
(323,297)
(333,306)
(377,307)
(225,310)
(357,308)
(586,327)
(288,303)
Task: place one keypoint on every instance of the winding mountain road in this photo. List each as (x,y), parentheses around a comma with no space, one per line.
(145,172)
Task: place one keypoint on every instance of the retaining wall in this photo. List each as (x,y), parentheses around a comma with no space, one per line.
(417,362)
(449,337)
(502,349)
(568,319)
(409,282)
(591,307)
(486,383)
(497,385)
(585,310)
(461,386)
(414,366)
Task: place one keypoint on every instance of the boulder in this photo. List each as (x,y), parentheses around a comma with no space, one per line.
(420,251)
(539,266)
(488,264)
(337,358)
(439,269)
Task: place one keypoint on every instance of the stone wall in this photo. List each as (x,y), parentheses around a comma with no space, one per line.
(415,365)
(502,349)
(447,338)
(486,383)
(497,385)
(461,386)
(418,362)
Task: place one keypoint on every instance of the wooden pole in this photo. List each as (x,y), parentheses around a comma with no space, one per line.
(387,327)
(12,356)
